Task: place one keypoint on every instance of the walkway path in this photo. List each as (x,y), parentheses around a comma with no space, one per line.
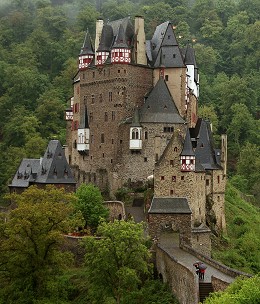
(172,248)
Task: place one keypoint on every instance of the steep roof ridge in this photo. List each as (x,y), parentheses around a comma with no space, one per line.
(187,146)
(166,52)
(160,106)
(55,164)
(87,47)
(136,119)
(205,151)
(106,39)
(120,41)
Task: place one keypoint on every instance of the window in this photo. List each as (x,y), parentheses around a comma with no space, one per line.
(145,159)
(92,98)
(135,134)
(156,157)
(171,162)
(166,77)
(111,161)
(92,139)
(102,138)
(119,70)
(174,55)
(112,141)
(162,177)
(91,116)
(175,149)
(169,36)
(109,96)
(182,177)
(171,192)
(168,129)
(145,135)
(85,99)
(218,179)
(106,116)
(100,97)
(93,74)
(174,178)
(113,115)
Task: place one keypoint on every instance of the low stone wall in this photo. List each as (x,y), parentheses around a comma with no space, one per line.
(223,268)
(180,279)
(116,210)
(218,284)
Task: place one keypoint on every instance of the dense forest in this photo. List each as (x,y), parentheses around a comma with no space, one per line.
(39,45)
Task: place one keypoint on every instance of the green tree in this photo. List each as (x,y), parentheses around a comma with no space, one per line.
(90,204)
(248,165)
(117,263)
(31,239)
(242,291)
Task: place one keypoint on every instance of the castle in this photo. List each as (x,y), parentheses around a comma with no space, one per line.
(134,114)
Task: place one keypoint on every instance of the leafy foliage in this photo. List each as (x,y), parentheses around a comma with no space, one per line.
(90,204)
(31,237)
(241,249)
(241,291)
(117,263)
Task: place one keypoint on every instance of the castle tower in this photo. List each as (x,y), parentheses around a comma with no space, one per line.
(103,50)
(86,54)
(187,154)
(121,52)
(167,60)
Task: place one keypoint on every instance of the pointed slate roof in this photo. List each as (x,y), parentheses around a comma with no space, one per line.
(159,106)
(106,39)
(127,27)
(87,47)
(189,56)
(54,166)
(120,41)
(26,172)
(187,146)
(164,48)
(170,205)
(190,59)
(205,151)
(136,119)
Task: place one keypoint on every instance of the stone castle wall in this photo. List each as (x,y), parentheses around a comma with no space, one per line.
(180,279)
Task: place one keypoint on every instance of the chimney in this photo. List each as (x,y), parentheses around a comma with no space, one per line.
(140,43)
(99,27)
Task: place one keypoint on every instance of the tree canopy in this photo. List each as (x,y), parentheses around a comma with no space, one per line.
(30,244)
(117,263)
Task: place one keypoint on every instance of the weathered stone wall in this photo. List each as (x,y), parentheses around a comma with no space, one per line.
(181,280)
(110,93)
(179,223)
(218,284)
(116,210)
(201,241)
(170,181)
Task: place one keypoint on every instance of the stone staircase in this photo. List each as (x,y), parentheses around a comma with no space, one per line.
(204,290)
